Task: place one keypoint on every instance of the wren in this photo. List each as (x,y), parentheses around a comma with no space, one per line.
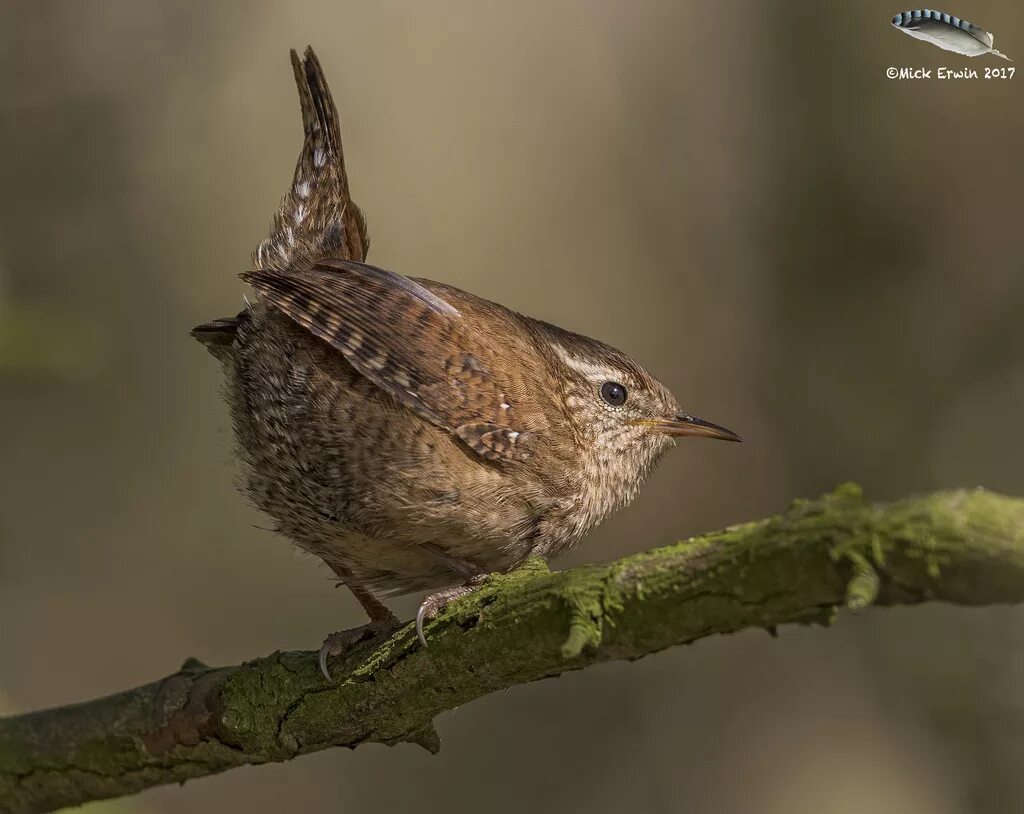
(413,436)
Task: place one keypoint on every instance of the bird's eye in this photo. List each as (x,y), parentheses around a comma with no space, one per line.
(613,393)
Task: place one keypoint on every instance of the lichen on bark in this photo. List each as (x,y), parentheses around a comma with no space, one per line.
(965,547)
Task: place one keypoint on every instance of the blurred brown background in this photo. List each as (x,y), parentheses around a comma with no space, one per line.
(826,260)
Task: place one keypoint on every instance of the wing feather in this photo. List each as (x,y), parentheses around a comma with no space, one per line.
(406,340)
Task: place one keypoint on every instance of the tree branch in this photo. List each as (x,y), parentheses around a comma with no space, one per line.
(961,547)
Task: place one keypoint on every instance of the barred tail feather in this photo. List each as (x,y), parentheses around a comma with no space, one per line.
(317,218)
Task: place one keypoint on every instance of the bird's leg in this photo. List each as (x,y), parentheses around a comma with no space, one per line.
(382,621)
(436,602)
(464,568)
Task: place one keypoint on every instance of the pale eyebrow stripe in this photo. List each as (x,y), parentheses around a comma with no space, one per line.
(588,370)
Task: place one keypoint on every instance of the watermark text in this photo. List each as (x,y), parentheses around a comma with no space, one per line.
(944,73)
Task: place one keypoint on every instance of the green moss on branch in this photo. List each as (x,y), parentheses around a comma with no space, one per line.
(801,566)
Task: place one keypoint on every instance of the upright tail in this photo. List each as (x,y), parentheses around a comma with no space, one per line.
(317,219)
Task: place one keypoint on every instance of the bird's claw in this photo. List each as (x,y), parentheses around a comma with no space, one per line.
(435,603)
(339,643)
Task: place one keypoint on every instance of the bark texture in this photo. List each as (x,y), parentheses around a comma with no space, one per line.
(963,547)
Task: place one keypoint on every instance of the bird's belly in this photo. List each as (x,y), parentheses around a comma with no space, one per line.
(401,563)
(392,533)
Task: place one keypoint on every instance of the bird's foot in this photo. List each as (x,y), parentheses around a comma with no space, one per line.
(435,603)
(339,643)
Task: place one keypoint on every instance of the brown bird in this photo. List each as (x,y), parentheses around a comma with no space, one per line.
(412,435)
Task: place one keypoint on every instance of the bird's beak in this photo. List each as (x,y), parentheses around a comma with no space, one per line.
(684,424)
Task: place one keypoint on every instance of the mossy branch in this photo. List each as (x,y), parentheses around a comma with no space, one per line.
(964,547)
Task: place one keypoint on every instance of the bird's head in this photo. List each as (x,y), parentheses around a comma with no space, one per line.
(624,418)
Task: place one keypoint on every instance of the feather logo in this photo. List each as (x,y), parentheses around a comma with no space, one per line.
(947,32)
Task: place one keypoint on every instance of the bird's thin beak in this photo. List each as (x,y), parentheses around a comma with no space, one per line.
(684,424)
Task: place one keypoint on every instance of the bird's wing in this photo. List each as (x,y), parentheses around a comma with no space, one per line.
(406,340)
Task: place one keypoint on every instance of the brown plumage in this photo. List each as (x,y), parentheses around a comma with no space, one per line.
(412,435)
